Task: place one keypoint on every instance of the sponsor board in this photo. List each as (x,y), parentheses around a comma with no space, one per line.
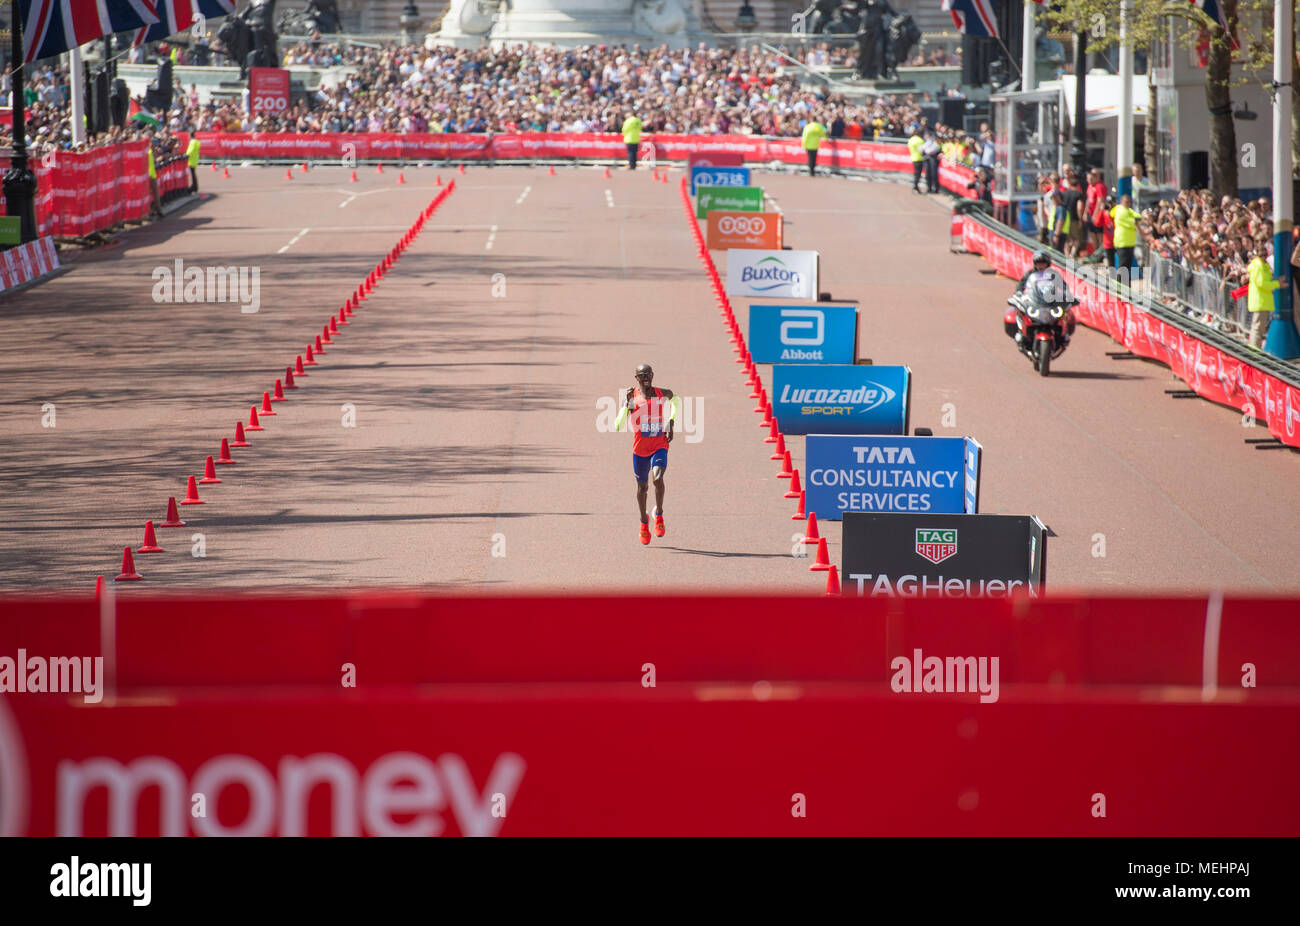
(840,399)
(772,274)
(814,333)
(718,176)
(743,230)
(942,555)
(268,90)
(728,199)
(715,159)
(898,474)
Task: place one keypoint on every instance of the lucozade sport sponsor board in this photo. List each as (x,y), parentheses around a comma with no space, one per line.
(840,399)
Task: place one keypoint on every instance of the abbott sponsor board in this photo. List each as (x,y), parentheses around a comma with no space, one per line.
(862,473)
(817,333)
(775,274)
(744,230)
(718,176)
(728,199)
(840,399)
(942,556)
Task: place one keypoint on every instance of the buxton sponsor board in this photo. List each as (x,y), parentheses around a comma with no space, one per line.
(728,199)
(817,333)
(774,274)
(840,399)
(744,230)
(718,176)
(942,555)
(863,473)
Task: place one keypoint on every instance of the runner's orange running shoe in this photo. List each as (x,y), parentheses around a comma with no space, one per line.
(645,532)
(660,530)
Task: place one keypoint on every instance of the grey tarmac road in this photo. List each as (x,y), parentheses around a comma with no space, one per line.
(474,373)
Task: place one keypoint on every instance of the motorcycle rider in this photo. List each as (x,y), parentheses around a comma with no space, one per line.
(1039,275)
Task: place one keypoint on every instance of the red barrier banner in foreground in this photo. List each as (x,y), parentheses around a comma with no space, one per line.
(81,193)
(386,713)
(1208,371)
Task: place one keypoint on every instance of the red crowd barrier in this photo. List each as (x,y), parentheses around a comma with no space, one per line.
(81,193)
(388,713)
(1208,371)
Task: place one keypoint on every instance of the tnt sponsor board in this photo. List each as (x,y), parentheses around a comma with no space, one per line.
(728,199)
(744,230)
(840,399)
(814,333)
(942,555)
(865,473)
(715,159)
(268,90)
(774,274)
(718,176)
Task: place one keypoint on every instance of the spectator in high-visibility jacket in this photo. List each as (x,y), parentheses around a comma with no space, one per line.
(914,146)
(632,138)
(192,154)
(1259,297)
(156,209)
(813,133)
(1126,236)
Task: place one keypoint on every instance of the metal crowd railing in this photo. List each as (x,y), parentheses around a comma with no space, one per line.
(1199,294)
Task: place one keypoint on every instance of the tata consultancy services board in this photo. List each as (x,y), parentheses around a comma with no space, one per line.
(818,333)
(840,399)
(866,473)
(772,274)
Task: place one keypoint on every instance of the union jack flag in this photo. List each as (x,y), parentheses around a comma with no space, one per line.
(1212,9)
(175,16)
(51,27)
(974,17)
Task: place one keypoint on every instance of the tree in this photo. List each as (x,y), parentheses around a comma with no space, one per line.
(1148,27)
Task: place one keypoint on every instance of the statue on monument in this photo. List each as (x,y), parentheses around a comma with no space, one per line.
(319,16)
(249,37)
(659,17)
(873,32)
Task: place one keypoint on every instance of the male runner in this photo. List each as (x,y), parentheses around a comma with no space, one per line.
(651,413)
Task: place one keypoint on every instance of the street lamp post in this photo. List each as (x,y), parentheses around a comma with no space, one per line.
(1079,149)
(19,181)
(410,20)
(1282,340)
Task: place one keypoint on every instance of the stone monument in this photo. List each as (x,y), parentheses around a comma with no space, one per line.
(569,22)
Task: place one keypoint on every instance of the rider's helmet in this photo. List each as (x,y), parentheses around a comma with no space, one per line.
(1040,257)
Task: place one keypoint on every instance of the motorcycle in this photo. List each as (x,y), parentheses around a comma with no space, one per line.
(1041,323)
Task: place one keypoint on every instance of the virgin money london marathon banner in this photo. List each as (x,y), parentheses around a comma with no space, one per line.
(943,556)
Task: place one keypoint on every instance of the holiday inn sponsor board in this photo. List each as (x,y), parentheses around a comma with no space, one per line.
(772,274)
(728,199)
(943,555)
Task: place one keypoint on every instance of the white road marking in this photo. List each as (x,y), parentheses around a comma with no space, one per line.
(523,195)
(348,200)
(609,199)
(491,237)
(293,241)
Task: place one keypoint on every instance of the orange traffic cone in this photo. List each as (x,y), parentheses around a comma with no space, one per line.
(209,472)
(799,515)
(278,395)
(288,173)
(833,583)
(354,177)
(150,540)
(780,446)
(173,516)
(320,348)
(225,459)
(253,423)
(811,535)
(267,410)
(606,173)
(379,168)
(297,366)
(304,167)
(214,167)
(288,379)
(128,568)
(823,562)
(401,177)
(795,489)
(99,587)
(438,180)
(786,469)
(192,493)
(240,440)
(460,168)
(225,173)
(550,171)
